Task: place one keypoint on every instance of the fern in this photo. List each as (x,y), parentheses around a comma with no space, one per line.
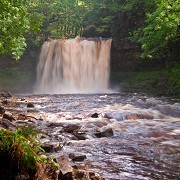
(21,146)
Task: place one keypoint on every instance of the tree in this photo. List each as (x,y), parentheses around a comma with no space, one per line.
(17,18)
(61,19)
(161,30)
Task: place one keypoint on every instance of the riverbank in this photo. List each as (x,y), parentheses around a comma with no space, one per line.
(118,136)
(159,82)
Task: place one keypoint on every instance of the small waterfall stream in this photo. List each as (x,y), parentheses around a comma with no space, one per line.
(74,66)
(133,136)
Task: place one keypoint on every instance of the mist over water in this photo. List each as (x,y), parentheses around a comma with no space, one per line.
(74,66)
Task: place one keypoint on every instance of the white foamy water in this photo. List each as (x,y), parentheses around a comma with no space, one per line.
(74,66)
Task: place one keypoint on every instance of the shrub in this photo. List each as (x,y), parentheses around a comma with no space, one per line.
(19,152)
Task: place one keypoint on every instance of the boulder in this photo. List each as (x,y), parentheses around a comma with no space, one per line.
(79,135)
(46,171)
(47,148)
(30,105)
(107,116)
(105,133)
(76,157)
(8,116)
(50,146)
(95,115)
(7,124)
(2,110)
(65,165)
(70,128)
(85,175)
(5,102)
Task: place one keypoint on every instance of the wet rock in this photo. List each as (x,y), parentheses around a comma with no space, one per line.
(32,110)
(95,176)
(8,116)
(104,115)
(6,94)
(47,148)
(30,105)
(95,115)
(54,124)
(105,133)
(85,175)
(70,137)
(21,117)
(65,166)
(78,174)
(2,110)
(70,128)
(46,171)
(139,116)
(67,176)
(5,102)
(51,146)
(78,158)
(80,135)
(7,124)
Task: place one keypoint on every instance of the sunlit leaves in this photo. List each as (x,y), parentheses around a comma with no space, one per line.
(162,28)
(16,20)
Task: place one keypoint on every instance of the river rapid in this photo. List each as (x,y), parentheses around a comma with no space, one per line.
(121,136)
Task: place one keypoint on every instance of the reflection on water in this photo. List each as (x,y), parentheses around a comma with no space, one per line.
(145,142)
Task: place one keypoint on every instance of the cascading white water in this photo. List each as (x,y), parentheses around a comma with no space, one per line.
(74,66)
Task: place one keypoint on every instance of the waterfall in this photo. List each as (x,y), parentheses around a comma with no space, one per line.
(77,65)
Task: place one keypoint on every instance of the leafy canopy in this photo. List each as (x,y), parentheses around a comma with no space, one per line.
(16,19)
(162,29)
(157,22)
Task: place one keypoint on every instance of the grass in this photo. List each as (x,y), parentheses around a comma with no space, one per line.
(20,152)
(160,82)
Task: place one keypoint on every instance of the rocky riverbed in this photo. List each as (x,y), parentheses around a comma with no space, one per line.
(103,136)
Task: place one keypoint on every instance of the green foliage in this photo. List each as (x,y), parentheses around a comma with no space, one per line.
(161,30)
(98,13)
(174,77)
(159,82)
(146,81)
(16,19)
(61,19)
(155,23)
(15,78)
(21,146)
(20,153)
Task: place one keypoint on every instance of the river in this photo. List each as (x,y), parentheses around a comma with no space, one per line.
(122,135)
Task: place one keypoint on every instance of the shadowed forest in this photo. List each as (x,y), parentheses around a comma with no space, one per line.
(145,39)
